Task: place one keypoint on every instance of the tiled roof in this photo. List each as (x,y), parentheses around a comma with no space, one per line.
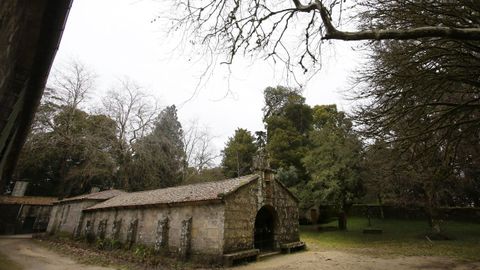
(98,196)
(29,200)
(188,193)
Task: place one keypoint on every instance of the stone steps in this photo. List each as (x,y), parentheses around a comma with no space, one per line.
(268,254)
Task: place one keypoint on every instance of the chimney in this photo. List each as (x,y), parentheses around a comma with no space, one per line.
(20,188)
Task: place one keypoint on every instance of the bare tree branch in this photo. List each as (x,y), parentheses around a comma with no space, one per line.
(199,149)
(273,30)
(133,111)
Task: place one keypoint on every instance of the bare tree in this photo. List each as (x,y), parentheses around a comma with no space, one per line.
(419,91)
(132,110)
(200,153)
(234,27)
(68,149)
(134,113)
(71,84)
(68,87)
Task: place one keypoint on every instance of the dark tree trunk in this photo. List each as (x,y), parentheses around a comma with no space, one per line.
(342,220)
(429,219)
(431,211)
(342,216)
(380,203)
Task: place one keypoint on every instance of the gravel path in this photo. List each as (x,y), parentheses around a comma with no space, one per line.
(32,256)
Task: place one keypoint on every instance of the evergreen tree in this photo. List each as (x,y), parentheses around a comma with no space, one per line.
(238,154)
(73,152)
(333,161)
(288,120)
(159,156)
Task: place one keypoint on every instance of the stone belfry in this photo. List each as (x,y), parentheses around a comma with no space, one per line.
(261,166)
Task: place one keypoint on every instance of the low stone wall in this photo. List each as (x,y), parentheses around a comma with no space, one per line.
(470,214)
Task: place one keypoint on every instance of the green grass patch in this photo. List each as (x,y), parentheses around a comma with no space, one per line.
(7,264)
(400,237)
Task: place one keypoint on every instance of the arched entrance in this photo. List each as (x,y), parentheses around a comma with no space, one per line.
(265,228)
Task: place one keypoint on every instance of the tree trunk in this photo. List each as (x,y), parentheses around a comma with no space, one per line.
(62,173)
(429,218)
(238,165)
(380,203)
(123,172)
(432,216)
(342,220)
(342,216)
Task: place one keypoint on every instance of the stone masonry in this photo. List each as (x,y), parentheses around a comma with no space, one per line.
(66,214)
(204,222)
(241,208)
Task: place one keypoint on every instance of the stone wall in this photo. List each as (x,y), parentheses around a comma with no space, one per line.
(39,213)
(287,210)
(52,222)
(311,215)
(205,236)
(65,217)
(241,209)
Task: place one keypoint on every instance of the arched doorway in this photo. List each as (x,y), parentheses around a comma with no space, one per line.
(265,228)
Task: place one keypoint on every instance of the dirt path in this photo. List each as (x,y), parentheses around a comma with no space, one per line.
(29,255)
(336,260)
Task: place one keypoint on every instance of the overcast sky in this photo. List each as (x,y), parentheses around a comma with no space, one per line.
(117,38)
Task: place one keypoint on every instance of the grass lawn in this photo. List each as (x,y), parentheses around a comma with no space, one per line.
(400,237)
(7,264)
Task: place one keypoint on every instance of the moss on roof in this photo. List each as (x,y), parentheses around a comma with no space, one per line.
(188,193)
